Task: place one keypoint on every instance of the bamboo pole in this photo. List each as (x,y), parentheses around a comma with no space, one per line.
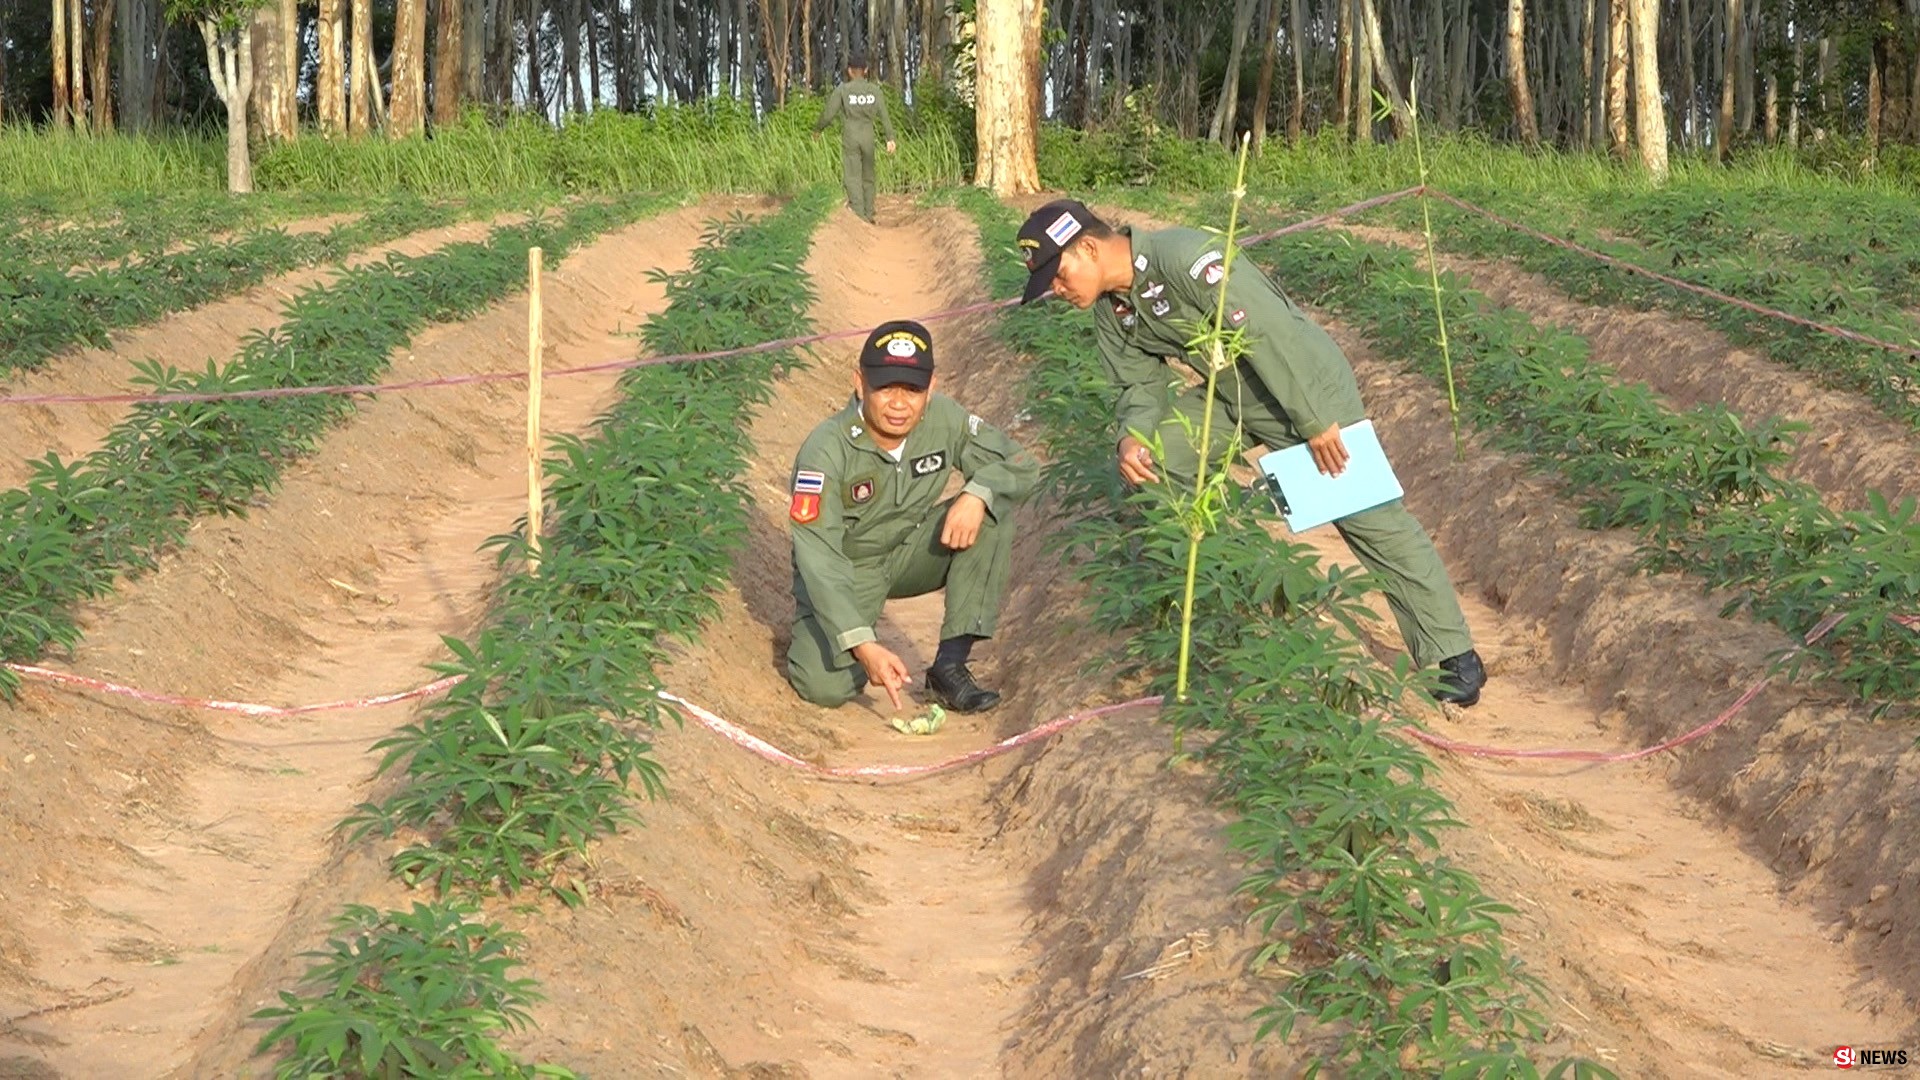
(533,412)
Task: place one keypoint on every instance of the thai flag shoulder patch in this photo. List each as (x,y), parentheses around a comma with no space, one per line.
(807,486)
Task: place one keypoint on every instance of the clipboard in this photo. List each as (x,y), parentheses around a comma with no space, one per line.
(1309,499)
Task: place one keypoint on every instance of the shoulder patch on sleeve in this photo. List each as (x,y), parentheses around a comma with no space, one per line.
(1200,265)
(973,424)
(807,486)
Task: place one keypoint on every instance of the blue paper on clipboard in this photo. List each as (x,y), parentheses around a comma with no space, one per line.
(1309,499)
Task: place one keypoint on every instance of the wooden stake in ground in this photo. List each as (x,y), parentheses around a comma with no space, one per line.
(533,411)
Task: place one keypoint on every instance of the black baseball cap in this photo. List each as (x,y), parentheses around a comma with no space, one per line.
(1047,232)
(898,352)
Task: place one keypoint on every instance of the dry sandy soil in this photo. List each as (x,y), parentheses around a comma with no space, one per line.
(1733,910)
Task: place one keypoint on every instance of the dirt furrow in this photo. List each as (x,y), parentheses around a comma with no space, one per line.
(1657,927)
(156,857)
(763,921)
(1664,900)
(1851,448)
(187,340)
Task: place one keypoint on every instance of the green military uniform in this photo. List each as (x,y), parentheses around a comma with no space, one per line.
(857,103)
(866,529)
(1292,384)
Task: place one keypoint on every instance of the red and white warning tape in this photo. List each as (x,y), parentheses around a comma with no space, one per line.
(745,739)
(712,721)
(739,736)
(244,708)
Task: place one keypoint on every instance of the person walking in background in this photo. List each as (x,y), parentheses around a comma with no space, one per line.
(857,103)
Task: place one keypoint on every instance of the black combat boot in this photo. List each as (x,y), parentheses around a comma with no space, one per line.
(952,686)
(1461,678)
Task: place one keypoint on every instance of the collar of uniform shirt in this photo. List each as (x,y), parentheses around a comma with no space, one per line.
(858,435)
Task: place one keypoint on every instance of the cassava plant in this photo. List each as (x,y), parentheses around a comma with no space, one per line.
(416,993)
(531,757)
(1199,510)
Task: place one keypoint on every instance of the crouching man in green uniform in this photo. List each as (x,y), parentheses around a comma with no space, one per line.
(1147,291)
(869,525)
(857,103)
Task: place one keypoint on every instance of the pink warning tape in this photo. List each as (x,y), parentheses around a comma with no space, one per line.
(749,741)
(65,678)
(482,378)
(739,736)
(1820,630)
(1910,348)
(1331,216)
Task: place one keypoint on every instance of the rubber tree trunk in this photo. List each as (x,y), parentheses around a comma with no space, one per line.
(330,79)
(77,63)
(1601,50)
(1384,75)
(409,106)
(1732,18)
(449,60)
(1526,124)
(1221,129)
(360,96)
(1620,53)
(102,59)
(1007,65)
(139,29)
(274,110)
(1263,92)
(1689,78)
(1362,77)
(1343,63)
(61,99)
(1296,45)
(230,64)
(1650,115)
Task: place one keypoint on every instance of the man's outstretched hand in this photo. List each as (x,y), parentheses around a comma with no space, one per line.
(884,669)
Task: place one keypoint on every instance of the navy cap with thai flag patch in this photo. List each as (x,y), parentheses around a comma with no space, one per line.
(1047,232)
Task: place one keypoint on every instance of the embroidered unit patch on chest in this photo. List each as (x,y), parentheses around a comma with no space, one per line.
(928,464)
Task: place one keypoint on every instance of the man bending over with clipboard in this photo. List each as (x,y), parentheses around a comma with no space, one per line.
(1293,386)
